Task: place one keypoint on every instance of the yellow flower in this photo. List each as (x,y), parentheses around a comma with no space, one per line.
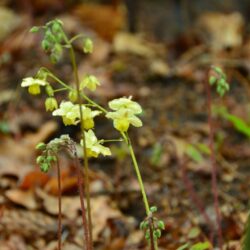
(88,46)
(33,85)
(125,103)
(90,82)
(123,118)
(88,116)
(69,113)
(124,113)
(51,104)
(94,146)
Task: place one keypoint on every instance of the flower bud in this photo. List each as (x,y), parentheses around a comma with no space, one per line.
(39,159)
(49,90)
(51,104)
(73,95)
(34,29)
(88,46)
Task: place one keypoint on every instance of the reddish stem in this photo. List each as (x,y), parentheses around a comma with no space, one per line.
(59,205)
(195,198)
(213,163)
(81,192)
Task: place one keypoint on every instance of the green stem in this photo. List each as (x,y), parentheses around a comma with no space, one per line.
(76,37)
(86,165)
(138,174)
(112,140)
(58,90)
(94,103)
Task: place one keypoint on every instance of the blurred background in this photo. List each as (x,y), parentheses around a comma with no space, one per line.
(160,52)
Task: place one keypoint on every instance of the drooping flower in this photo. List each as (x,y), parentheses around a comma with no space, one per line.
(33,85)
(123,118)
(88,46)
(125,103)
(90,82)
(124,114)
(51,104)
(69,113)
(94,146)
(88,115)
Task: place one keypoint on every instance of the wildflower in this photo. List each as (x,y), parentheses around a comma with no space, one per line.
(94,146)
(88,46)
(125,103)
(33,84)
(90,82)
(123,118)
(124,114)
(69,113)
(51,104)
(88,116)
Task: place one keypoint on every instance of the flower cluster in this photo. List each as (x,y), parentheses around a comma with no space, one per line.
(124,114)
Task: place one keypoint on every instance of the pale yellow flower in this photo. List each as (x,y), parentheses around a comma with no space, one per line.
(94,146)
(90,82)
(33,85)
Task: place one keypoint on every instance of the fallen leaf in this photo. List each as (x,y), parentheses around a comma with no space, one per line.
(23,198)
(34,179)
(128,43)
(105,20)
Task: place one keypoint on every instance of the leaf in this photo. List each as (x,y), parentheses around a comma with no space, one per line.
(194,154)
(194,233)
(246,242)
(239,124)
(183,247)
(201,246)
(23,198)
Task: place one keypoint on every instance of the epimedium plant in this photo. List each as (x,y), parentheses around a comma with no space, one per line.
(78,108)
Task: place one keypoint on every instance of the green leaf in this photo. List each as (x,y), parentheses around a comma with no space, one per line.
(194,154)
(4,127)
(239,124)
(183,247)
(144,225)
(194,233)
(212,80)
(201,246)
(41,146)
(246,241)
(34,29)
(156,155)
(157,233)
(153,209)
(161,224)
(203,148)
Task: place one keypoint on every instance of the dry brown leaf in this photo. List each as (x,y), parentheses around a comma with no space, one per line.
(221,31)
(29,224)
(23,198)
(102,210)
(70,205)
(128,43)
(105,20)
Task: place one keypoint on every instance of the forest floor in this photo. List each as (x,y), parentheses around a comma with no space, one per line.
(169,81)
